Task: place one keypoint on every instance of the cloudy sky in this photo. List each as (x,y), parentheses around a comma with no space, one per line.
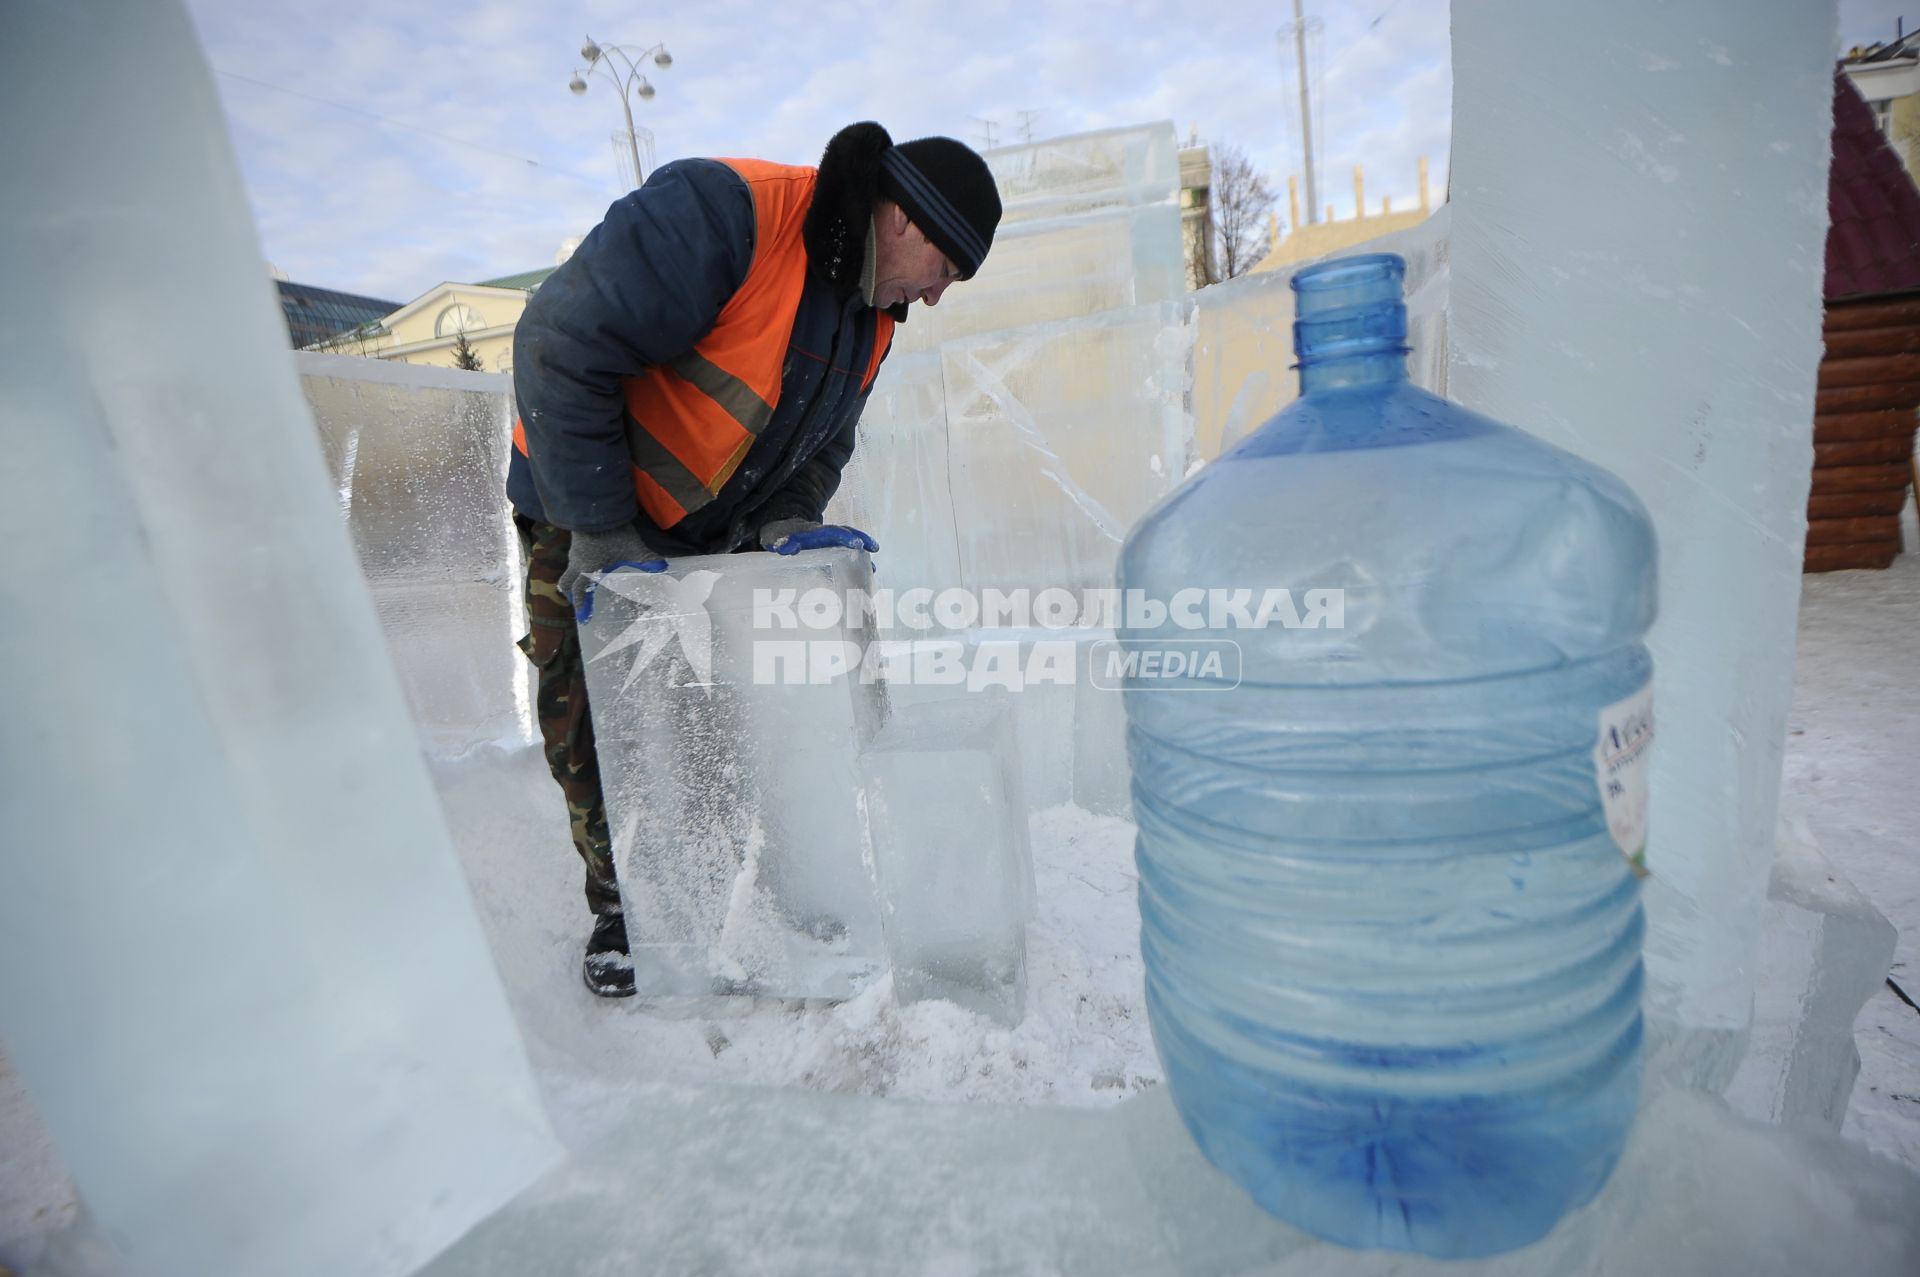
(388,147)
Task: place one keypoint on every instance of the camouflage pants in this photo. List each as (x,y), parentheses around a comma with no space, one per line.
(553,645)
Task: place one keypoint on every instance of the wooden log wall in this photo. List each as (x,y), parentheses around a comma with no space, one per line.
(1863,424)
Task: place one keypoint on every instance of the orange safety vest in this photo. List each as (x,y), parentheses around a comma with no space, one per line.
(691,420)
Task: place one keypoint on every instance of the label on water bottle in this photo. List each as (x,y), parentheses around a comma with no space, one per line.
(1620,767)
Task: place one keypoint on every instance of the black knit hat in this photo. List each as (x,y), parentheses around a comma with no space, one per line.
(947,191)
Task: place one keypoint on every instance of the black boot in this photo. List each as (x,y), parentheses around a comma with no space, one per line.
(608,968)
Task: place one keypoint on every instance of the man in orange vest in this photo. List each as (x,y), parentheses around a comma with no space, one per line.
(689,382)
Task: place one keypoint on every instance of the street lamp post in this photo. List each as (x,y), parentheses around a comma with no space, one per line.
(600,57)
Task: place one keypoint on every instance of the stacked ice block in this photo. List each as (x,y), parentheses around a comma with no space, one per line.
(729,758)
(1090,223)
(1069,736)
(418,458)
(897,485)
(1017,430)
(1059,437)
(1824,950)
(949,829)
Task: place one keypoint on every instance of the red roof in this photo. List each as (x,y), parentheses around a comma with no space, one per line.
(1873,236)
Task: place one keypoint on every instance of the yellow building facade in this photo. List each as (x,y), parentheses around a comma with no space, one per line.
(428,329)
(1306,241)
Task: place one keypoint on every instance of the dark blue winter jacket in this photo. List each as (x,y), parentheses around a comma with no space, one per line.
(641,294)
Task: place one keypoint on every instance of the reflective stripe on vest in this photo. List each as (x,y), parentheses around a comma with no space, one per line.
(692,420)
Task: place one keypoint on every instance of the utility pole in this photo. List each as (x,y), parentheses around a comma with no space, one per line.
(1299,29)
(1026,126)
(987,127)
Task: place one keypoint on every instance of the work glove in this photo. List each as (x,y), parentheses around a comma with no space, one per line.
(592,555)
(790,536)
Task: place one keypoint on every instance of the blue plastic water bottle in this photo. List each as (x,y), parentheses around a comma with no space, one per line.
(1388,850)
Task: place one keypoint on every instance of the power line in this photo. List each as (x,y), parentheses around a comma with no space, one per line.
(1371,28)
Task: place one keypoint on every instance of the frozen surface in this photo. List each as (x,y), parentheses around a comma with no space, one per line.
(240,973)
(418,457)
(1101,778)
(1670,333)
(1823,952)
(1069,733)
(1130,167)
(1090,223)
(897,486)
(1018,458)
(757,1182)
(1854,735)
(1060,436)
(949,829)
(1082,1043)
(732,779)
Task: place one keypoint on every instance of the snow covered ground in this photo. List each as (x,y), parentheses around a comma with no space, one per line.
(1850,771)
(1853,772)
(1084,1040)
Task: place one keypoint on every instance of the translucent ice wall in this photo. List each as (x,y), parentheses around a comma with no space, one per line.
(418,457)
(729,753)
(794,1184)
(239,971)
(1018,429)
(947,822)
(1637,249)
(1824,950)
(1089,223)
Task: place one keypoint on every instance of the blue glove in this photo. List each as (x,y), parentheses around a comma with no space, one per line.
(583,611)
(790,536)
(592,555)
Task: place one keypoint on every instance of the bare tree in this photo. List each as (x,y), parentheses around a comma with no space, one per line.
(464,355)
(1241,200)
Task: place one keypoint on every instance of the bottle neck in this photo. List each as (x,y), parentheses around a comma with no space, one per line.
(1351,325)
(1360,370)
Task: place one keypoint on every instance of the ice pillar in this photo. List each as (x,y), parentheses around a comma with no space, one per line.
(418,458)
(1638,241)
(239,970)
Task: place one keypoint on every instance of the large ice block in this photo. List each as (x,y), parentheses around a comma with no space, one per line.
(1824,950)
(729,756)
(1078,173)
(1091,222)
(949,828)
(985,413)
(1102,781)
(1059,437)
(1062,268)
(1618,289)
(1069,730)
(418,457)
(240,974)
(896,484)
